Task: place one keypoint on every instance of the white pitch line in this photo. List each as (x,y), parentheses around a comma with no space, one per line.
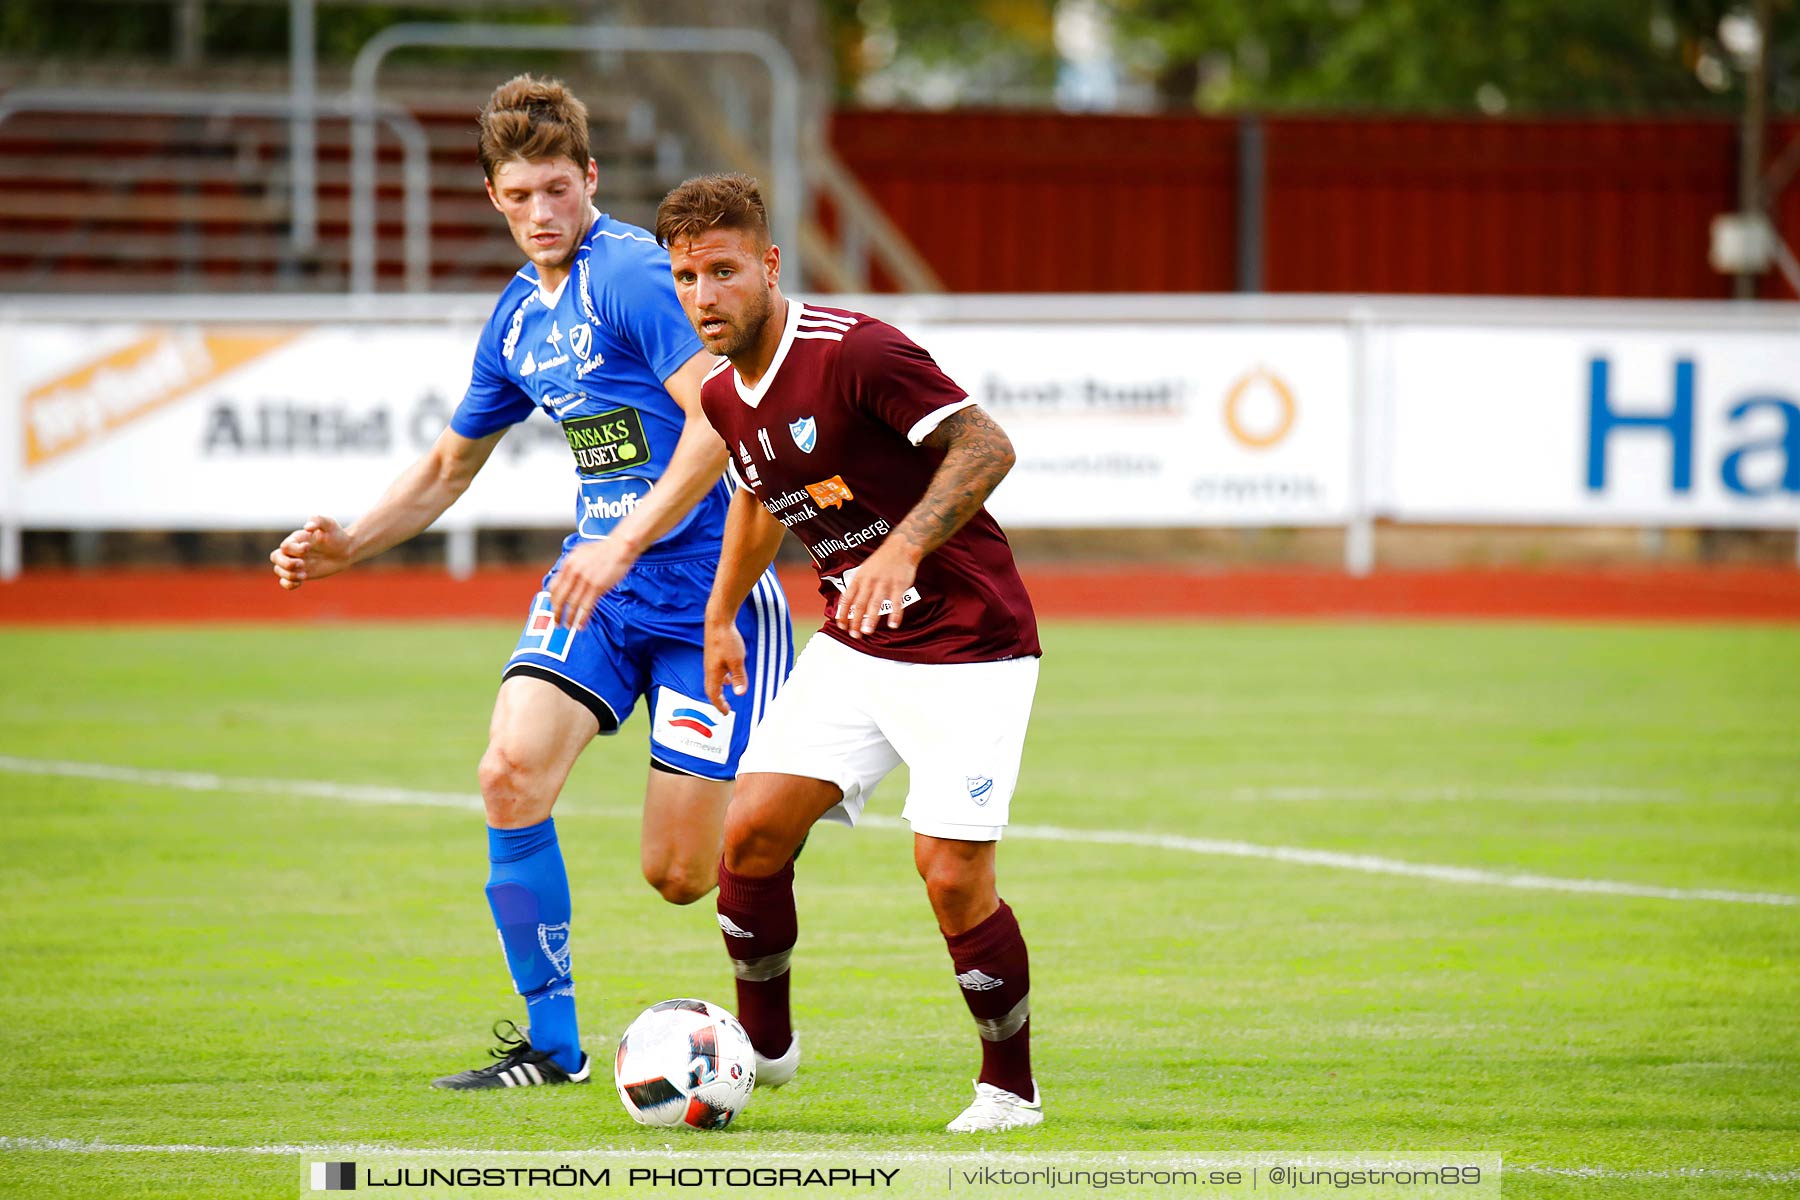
(1753,1176)
(1368,864)
(203,781)
(312,789)
(340,1150)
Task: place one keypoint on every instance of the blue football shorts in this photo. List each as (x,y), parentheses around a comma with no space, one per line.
(646,639)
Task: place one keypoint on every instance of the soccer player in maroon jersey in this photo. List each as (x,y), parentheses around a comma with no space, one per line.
(845,432)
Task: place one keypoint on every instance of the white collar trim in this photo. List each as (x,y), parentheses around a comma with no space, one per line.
(754,396)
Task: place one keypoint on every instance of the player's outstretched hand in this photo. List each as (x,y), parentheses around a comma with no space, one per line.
(882,580)
(589,572)
(724,656)
(318,549)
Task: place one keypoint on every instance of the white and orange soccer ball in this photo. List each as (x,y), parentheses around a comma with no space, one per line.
(685,1062)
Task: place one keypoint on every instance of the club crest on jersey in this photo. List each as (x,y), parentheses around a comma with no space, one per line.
(806,433)
(830,493)
(979,787)
(581,341)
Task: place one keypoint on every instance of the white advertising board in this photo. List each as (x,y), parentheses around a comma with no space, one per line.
(229,426)
(190,424)
(208,427)
(1589,426)
(1158,425)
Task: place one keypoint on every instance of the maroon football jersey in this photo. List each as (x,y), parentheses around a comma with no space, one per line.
(828,441)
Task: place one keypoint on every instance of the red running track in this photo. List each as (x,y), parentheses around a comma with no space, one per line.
(1761,594)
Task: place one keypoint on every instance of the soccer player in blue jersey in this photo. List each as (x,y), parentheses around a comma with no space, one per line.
(590,331)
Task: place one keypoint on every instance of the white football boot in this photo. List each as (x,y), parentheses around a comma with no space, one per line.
(996,1109)
(773,1072)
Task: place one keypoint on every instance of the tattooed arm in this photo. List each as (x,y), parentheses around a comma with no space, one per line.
(977,456)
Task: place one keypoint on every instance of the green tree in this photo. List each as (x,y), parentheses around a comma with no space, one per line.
(1497,55)
(1515,56)
(942,51)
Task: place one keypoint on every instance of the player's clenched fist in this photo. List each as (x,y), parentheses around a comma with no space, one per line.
(317,549)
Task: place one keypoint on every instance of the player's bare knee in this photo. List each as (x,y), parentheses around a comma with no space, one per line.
(962,893)
(755,849)
(507,788)
(679,883)
(952,894)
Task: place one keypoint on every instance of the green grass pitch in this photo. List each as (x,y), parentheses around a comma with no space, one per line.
(238,968)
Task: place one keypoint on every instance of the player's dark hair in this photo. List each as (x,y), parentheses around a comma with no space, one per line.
(530,118)
(730,201)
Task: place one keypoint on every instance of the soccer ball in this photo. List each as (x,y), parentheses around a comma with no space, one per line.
(685,1062)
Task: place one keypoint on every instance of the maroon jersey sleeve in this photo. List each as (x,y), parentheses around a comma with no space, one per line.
(891,377)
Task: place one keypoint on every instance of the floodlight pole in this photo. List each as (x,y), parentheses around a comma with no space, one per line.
(1750,137)
(1252,185)
(302,128)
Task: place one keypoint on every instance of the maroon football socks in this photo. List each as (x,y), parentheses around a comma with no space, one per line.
(995,976)
(757,917)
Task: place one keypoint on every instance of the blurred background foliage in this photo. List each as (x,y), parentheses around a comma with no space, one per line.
(1467,56)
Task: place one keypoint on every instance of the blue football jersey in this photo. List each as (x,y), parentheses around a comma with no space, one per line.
(593,355)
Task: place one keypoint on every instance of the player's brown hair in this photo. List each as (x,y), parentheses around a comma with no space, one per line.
(730,201)
(531,118)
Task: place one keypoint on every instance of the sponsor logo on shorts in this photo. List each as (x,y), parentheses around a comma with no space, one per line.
(830,493)
(554,941)
(806,433)
(542,634)
(979,787)
(694,719)
(979,981)
(692,726)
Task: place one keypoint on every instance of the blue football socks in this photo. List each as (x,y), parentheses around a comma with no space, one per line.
(528,890)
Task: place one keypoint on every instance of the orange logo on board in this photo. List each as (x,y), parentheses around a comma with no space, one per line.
(830,493)
(83,405)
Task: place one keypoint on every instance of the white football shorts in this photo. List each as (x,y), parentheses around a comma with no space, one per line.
(849,718)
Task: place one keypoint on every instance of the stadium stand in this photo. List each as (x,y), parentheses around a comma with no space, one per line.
(201,203)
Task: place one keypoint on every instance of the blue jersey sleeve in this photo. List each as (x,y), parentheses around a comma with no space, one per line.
(493,401)
(637,300)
